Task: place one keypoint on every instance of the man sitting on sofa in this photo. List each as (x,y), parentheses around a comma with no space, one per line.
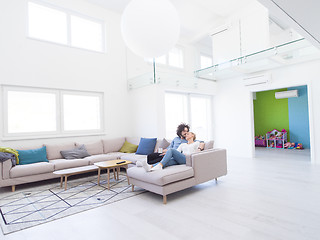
(182,130)
(177,156)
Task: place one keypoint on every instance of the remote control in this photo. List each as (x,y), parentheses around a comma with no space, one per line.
(121,162)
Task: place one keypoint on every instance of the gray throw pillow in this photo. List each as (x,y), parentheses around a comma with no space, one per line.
(76,153)
(208,145)
(164,144)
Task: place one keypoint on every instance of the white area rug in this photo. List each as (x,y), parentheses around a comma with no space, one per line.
(46,202)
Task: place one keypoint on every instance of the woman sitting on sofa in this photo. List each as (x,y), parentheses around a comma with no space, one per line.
(177,156)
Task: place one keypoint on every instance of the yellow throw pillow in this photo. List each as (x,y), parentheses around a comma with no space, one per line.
(128,147)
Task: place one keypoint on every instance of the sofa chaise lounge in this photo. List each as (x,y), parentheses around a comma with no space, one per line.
(200,167)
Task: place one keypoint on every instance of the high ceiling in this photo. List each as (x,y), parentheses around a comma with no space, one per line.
(197,17)
(301,15)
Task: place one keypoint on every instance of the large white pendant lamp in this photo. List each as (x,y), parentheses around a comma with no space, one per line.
(150,28)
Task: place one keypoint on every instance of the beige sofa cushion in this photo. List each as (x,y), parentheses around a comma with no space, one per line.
(31,169)
(68,163)
(161,177)
(53,150)
(112,145)
(93,148)
(103,157)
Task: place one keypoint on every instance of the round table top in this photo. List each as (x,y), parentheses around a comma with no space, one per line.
(112,163)
(70,171)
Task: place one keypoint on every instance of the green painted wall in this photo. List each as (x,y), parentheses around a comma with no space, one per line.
(270,113)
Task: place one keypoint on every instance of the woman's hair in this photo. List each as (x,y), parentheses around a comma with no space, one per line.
(181,127)
(194,135)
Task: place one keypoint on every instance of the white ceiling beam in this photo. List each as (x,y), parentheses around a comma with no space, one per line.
(303,16)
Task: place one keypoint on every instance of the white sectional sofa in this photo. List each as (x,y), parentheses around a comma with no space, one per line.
(108,149)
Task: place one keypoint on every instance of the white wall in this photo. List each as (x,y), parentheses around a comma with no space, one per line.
(28,62)
(247,32)
(232,116)
(144,117)
(233,108)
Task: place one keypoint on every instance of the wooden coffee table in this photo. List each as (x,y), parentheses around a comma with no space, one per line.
(112,164)
(65,173)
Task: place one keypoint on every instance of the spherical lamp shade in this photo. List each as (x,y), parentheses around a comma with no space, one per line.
(150,28)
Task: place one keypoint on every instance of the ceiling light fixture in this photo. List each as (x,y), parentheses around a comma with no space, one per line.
(150,28)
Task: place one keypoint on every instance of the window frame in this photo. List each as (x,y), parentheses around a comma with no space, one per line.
(5,90)
(69,13)
(189,95)
(81,93)
(183,58)
(166,56)
(209,116)
(205,55)
(60,132)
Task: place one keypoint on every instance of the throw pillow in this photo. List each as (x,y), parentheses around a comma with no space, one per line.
(164,144)
(208,145)
(32,156)
(76,153)
(146,146)
(128,147)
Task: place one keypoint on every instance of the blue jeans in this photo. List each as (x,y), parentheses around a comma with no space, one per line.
(173,157)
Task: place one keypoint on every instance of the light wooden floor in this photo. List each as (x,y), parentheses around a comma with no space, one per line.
(273,196)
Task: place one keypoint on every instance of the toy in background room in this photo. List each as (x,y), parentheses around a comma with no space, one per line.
(260,141)
(279,134)
(299,146)
(276,139)
(292,145)
(287,145)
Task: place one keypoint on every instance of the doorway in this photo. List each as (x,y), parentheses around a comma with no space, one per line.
(281,124)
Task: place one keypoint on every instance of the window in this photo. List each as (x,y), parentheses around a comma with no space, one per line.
(162,60)
(86,34)
(176,112)
(64,27)
(200,116)
(205,61)
(31,111)
(174,58)
(81,112)
(47,24)
(189,108)
(37,112)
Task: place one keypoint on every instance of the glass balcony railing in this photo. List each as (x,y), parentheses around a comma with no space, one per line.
(163,78)
(293,52)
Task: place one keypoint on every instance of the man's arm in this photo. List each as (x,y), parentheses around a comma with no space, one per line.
(171,145)
(179,148)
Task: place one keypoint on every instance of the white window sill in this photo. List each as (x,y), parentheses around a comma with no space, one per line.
(15,138)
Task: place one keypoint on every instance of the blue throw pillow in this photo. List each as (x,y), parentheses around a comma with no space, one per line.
(146,146)
(33,156)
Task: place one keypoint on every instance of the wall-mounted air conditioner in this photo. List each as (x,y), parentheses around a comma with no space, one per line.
(286,94)
(256,80)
